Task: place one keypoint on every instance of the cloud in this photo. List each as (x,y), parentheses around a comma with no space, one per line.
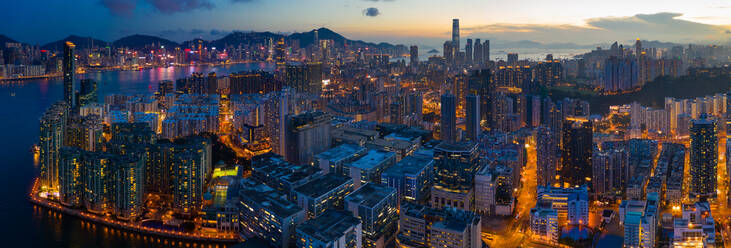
(177,6)
(659,26)
(242,1)
(379,0)
(120,7)
(372,12)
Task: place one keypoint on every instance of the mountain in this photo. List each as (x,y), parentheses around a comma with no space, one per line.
(80,42)
(4,39)
(139,41)
(238,37)
(308,38)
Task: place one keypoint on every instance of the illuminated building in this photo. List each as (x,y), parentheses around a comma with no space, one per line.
(549,72)
(576,152)
(703,156)
(84,132)
(448,123)
(276,109)
(696,228)
(512,59)
(620,74)
(421,226)
(280,54)
(266,214)
(136,133)
(305,78)
(513,76)
(87,93)
(252,82)
(468,52)
(334,229)
(128,177)
(494,190)
(369,167)
(322,193)
(333,160)
(307,134)
(455,166)
(572,204)
(166,87)
(71,184)
(98,184)
(52,128)
(377,207)
(69,73)
(480,83)
(187,178)
(544,225)
(411,177)
(271,169)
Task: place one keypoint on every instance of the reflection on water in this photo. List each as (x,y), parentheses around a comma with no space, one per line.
(25,225)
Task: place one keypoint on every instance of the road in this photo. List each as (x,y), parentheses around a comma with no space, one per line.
(514,233)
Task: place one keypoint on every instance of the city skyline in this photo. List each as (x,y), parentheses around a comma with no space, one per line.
(373,20)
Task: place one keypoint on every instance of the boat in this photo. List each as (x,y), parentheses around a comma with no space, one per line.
(35,148)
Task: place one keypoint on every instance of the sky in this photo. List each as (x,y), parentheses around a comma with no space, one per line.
(426,22)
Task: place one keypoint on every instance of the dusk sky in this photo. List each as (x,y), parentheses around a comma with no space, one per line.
(400,21)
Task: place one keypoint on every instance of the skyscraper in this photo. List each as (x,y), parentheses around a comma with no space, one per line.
(703,156)
(69,67)
(478,54)
(512,59)
(449,118)
(455,165)
(486,51)
(52,126)
(473,116)
(468,52)
(414,53)
(576,151)
(307,134)
(455,36)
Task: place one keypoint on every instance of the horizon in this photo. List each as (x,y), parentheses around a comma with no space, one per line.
(392,21)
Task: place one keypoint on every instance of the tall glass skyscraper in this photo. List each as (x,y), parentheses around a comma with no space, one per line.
(449,118)
(69,65)
(703,156)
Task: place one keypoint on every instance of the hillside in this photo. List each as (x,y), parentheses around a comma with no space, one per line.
(80,42)
(653,93)
(139,41)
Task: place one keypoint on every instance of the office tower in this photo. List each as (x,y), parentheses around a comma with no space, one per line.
(473,117)
(468,52)
(305,78)
(129,179)
(166,87)
(307,134)
(336,229)
(576,151)
(544,225)
(422,226)
(572,204)
(87,94)
(546,156)
(414,56)
(448,52)
(377,206)
(51,139)
(455,37)
(703,156)
(369,167)
(512,59)
(323,193)
(479,84)
(187,180)
(477,56)
(455,165)
(486,51)
(448,131)
(69,72)
(266,214)
(411,177)
(71,183)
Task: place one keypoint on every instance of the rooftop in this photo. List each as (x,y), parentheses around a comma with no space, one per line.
(372,159)
(321,185)
(410,165)
(329,226)
(269,199)
(370,195)
(341,152)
